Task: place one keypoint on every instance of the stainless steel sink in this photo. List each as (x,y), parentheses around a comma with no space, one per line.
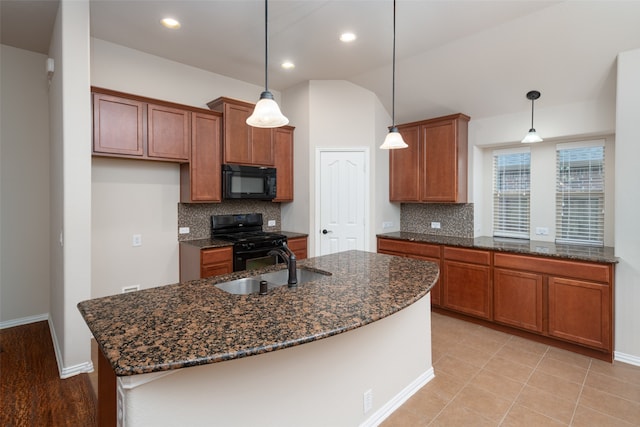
(251,285)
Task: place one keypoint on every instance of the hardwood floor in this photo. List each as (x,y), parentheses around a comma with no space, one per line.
(31,391)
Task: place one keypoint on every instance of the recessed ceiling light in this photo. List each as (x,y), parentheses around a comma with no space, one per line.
(170,23)
(347,37)
(287,65)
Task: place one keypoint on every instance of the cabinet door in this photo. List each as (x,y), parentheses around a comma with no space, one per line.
(283,150)
(237,134)
(467,288)
(168,133)
(214,262)
(298,246)
(439,163)
(262,150)
(517,299)
(580,311)
(118,125)
(404,168)
(201,178)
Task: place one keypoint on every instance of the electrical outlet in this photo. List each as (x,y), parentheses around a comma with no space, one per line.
(435,225)
(136,240)
(183,230)
(271,223)
(130,289)
(387,224)
(542,231)
(367,400)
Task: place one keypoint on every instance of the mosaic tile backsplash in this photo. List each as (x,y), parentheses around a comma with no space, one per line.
(197,216)
(455,219)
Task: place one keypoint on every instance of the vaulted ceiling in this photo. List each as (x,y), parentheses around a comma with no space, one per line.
(472,56)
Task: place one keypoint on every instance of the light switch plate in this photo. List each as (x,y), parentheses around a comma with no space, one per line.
(271,223)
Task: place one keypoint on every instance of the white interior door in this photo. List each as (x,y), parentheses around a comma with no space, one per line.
(343,194)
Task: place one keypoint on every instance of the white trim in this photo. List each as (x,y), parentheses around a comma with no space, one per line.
(626,358)
(24,320)
(66,372)
(513,150)
(133,381)
(367,196)
(388,408)
(580,144)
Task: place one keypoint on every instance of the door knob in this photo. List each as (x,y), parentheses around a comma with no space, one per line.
(325,231)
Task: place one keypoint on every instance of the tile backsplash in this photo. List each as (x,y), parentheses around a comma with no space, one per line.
(455,219)
(197,216)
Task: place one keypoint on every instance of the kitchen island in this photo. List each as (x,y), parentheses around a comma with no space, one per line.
(365,330)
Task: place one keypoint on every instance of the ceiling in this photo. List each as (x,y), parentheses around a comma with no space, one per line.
(472,56)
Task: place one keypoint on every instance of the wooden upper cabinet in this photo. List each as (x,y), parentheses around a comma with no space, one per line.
(243,144)
(434,167)
(200,180)
(404,167)
(168,133)
(283,156)
(133,126)
(118,125)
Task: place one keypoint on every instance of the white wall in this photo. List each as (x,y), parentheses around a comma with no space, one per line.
(70,162)
(627,234)
(133,197)
(24,187)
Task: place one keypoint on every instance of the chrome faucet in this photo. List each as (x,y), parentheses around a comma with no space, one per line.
(290,259)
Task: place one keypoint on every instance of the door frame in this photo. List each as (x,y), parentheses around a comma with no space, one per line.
(317,226)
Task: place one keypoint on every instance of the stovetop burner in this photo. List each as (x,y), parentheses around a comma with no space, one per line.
(242,228)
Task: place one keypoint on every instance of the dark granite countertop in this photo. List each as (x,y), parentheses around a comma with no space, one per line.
(215,243)
(520,246)
(195,323)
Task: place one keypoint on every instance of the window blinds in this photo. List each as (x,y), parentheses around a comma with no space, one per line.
(580,193)
(511,188)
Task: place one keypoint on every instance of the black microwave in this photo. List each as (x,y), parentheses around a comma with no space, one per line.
(248,182)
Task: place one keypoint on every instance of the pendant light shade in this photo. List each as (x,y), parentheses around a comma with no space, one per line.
(266,114)
(394,138)
(532,135)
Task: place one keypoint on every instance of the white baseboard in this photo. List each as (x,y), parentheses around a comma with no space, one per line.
(387,409)
(626,358)
(24,321)
(63,371)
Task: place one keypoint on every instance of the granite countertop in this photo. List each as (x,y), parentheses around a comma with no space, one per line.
(195,323)
(209,243)
(520,246)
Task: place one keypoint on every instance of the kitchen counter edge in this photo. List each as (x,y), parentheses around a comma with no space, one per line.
(518,246)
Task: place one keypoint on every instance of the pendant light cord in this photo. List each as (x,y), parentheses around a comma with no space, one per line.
(393,72)
(266,46)
(532,113)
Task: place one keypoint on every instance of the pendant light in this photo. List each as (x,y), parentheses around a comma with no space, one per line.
(266,114)
(394,139)
(532,135)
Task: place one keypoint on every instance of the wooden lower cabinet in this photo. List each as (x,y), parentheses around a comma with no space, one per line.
(467,281)
(517,299)
(558,301)
(298,246)
(197,263)
(579,311)
(416,250)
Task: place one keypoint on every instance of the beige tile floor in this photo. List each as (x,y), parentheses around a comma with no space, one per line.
(489,378)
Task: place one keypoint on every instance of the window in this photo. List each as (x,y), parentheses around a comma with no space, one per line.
(511,177)
(580,193)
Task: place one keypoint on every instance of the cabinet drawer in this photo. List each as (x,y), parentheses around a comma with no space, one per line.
(216,256)
(409,248)
(574,269)
(298,245)
(467,255)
